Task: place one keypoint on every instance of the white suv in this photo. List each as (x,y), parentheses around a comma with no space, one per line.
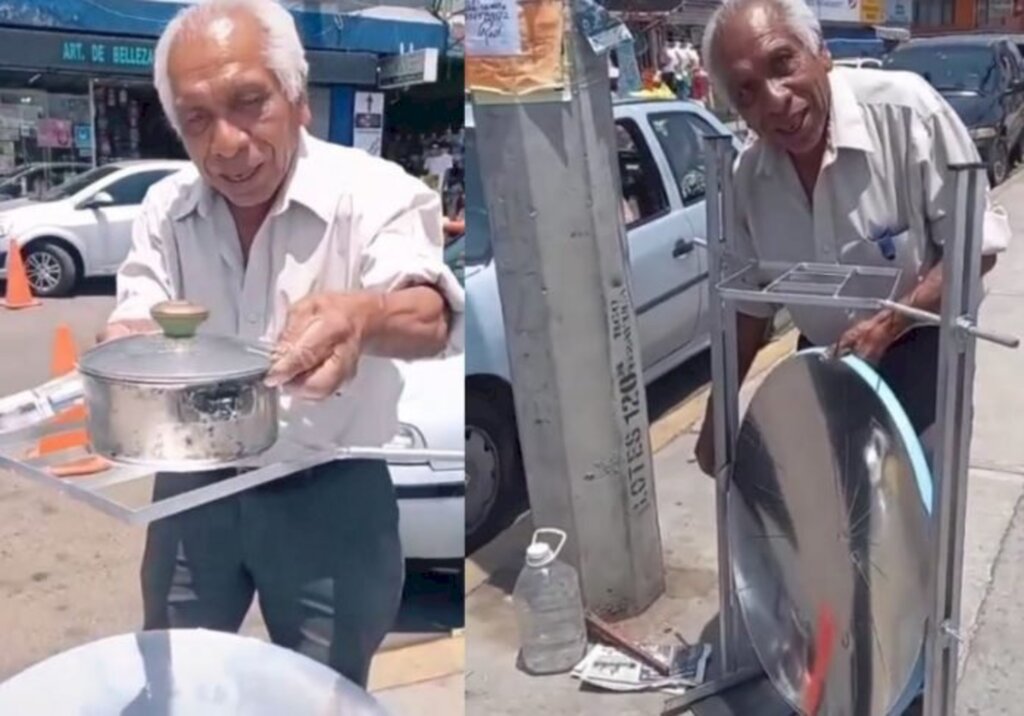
(80,228)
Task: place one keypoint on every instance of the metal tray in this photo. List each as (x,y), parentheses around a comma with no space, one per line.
(125,492)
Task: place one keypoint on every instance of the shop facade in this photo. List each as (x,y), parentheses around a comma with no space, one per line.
(76,79)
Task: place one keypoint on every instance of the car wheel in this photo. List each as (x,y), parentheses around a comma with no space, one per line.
(494,469)
(998,163)
(51,269)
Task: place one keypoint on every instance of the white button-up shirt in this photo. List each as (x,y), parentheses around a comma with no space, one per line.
(891,138)
(345,221)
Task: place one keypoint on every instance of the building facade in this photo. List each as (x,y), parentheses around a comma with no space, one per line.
(76,77)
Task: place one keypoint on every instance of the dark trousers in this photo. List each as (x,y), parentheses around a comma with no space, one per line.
(911,369)
(320,548)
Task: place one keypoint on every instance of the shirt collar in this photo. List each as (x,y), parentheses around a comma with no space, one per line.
(846,126)
(304,185)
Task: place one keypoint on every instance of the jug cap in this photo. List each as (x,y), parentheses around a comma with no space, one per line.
(540,553)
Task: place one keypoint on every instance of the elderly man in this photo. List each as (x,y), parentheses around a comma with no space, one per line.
(848,167)
(335,256)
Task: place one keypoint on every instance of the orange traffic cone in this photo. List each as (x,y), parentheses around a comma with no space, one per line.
(64,360)
(19,293)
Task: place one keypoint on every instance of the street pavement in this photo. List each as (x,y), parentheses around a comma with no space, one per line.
(69,574)
(992,623)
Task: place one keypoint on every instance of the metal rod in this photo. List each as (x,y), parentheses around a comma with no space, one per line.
(718,151)
(955,389)
(1003,339)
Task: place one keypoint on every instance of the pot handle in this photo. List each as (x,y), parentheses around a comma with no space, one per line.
(36,406)
(179,319)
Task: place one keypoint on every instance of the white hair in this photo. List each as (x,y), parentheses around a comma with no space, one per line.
(797,14)
(282,47)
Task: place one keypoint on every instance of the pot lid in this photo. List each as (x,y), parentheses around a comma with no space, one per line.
(178,355)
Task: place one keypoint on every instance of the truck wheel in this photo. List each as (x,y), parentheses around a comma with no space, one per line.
(494,466)
(51,269)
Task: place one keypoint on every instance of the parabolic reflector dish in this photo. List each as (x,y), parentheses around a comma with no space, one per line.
(187,672)
(828,523)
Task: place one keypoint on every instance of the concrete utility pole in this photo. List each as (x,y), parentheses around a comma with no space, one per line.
(550,176)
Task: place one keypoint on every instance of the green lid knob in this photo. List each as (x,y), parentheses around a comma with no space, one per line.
(179,319)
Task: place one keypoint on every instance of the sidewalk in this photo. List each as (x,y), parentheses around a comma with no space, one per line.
(686,512)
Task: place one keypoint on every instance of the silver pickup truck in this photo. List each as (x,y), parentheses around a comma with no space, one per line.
(661,165)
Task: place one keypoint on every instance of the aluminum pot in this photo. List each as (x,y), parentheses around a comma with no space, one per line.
(180,400)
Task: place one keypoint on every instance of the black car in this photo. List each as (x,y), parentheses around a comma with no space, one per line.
(982,77)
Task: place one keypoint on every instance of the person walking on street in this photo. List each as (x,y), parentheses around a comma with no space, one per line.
(335,256)
(846,167)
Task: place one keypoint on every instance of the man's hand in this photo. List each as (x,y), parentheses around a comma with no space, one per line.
(319,348)
(871,338)
(120,329)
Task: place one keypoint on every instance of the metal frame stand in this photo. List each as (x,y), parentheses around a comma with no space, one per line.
(851,287)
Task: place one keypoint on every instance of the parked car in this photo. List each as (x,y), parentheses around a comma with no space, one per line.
(81,228)
(661,164)
(32,180)
(432,495)
(982,77)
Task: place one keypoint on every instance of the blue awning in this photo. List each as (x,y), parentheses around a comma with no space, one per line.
(381,30)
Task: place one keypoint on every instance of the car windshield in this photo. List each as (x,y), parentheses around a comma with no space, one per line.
(949,69)
(75,184)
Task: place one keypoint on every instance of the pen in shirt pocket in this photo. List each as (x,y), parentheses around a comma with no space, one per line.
(885,240)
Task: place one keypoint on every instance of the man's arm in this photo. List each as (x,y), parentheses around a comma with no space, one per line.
(409,306)
(751,337)
(936,143)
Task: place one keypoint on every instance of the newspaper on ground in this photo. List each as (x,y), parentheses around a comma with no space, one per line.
(606,667)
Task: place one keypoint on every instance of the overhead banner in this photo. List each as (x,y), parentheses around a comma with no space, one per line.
(412,68)
(368,122)
(515,48)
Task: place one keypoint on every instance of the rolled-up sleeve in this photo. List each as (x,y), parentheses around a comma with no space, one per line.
(144,279)
(403,247)
(941,140)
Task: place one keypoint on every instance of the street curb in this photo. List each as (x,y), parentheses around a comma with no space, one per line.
(685,416)
(662,432)
(416,663)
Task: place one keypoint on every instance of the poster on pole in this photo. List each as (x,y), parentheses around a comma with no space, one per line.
(492,28)
(368,122)
(540,65)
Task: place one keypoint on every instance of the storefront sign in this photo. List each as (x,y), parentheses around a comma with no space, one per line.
(872,12)
(368,121)
(107,54)
(42,50)
(412,68)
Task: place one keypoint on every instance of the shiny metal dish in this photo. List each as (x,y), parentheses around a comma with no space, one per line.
(188,672)
(828,523)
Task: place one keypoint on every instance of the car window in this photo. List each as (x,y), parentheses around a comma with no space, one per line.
(950,69)
(681,137)
(78,183)
(643,195)
(132,189)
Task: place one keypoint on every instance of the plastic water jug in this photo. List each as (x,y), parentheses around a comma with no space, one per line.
(549,609)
